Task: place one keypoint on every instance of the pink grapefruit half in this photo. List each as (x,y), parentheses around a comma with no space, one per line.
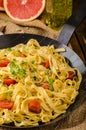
(24,10)
(1,5)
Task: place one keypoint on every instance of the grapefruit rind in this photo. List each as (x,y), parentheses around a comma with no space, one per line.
(24,20)
(2,9)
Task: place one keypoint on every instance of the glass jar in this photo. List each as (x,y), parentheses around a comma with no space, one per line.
(57,12)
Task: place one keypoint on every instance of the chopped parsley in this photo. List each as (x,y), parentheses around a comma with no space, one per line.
(50,81)
(9,49)
(33,62)
(17,70)
(24,62)
(9,92)
(35,78)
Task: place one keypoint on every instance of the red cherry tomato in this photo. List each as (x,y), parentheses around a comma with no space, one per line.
(34,106)
(4,62)
(9,81)
(70,75)
(47,64)
(5,104)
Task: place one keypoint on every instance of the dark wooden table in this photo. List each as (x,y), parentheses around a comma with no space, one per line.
(78,41)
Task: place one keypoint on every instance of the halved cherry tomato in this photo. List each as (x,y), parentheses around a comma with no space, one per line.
(70,75)
(22,55)
(5,104)
(4,62)
(45,86)
(9,81)
(47,64)
(34,106)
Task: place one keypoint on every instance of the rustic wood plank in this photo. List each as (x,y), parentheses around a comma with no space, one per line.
(78,41)
(77,48)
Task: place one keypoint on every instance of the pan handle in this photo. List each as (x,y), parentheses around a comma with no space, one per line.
(72,23)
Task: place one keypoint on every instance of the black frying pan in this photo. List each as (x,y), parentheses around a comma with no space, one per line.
(10,40)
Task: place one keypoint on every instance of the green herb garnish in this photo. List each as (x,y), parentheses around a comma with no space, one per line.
(35,78)
(50,81)
(8,49)
(16,70)
(33,62)
(9,92)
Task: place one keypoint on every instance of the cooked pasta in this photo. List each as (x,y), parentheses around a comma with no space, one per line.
(36,84)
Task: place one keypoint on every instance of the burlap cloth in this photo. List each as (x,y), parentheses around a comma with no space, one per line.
(77,119)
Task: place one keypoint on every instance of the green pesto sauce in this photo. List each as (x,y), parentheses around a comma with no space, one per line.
(57,12)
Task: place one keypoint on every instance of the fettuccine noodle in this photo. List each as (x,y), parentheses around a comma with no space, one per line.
(33,73)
